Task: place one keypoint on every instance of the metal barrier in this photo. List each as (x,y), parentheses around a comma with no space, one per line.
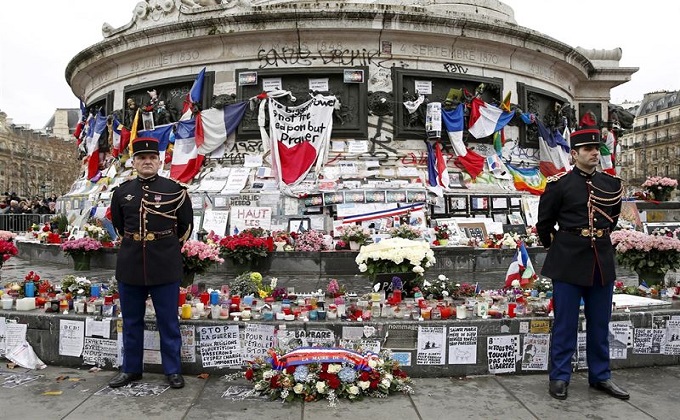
(22,222)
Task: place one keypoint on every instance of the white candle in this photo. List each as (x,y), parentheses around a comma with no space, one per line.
(461,312)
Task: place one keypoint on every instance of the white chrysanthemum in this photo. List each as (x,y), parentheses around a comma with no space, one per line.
(442,277)
(364,384)
(354,390)
(321,387)
(363,267)
(418,269)
(386,383)
(298,388)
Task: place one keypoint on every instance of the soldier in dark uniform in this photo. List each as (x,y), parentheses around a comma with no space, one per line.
(153,215)
(585,205)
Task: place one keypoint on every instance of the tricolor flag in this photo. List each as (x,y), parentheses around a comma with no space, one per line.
(607,154)
(438,175)
(117,135)
(161,133)
(486,119)
(213,125)
(97,128)
(186,162)
(472,162)
(196,93)
(520,268)
(553,151)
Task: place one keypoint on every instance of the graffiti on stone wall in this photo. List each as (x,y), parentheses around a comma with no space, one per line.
(455,68)
(303,56)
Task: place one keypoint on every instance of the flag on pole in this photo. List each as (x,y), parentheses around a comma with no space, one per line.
(553,151)
(505,105)
(133,130)
(438,175)
(472,162)
(213,125)
(486,119)
(195,93)
(92,144)
(607,154)
(186,162)
(520,268)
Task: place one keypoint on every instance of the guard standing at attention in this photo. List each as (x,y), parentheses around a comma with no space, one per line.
(584,204)
(153,215)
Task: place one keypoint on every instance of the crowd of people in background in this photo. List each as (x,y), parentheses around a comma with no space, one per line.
(11,203)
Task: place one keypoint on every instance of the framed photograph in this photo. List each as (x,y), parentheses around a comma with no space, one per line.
(247,78)
(515,219)
(415,196)
(313,210)
(518,229)
(353,76)
(299,224)
(356,196)
(499,203)
(479,203)
(375,196)
(473,230)
(330,198)
(457,204)
(313,200)
(515,202)
(500,218)
(147,121)
(398,196)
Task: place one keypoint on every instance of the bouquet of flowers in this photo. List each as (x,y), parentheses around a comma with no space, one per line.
(543,285)
(7,236)
(198,256)
(395,255)
(660,187)
(311,240)
(462,290)
(642,252)
(334,289)
(437,289)
(244,247)
(80,246)
(7,251)
(337,373)
(405,231)
(354,233)
(76,286)
(442,232)
(245,284)
(281,236)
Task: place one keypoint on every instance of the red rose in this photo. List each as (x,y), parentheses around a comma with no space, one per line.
(250,374)
(45,228)
(324,367)
(364,376)
(334,382)
(290,370)
(374,385)
(274,382)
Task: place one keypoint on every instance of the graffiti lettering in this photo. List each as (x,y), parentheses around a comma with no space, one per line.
(455,68)
(284,55)
(274,57)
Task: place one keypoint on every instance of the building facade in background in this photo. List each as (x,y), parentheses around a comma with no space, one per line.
(652,147)
(35,164)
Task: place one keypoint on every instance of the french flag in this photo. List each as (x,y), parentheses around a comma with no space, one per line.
(161,133)
(97,128)
(186,162)
(196,93)
(213,126)
(486,119)
(454,119)
(438,175)
(553,151)
(520,268)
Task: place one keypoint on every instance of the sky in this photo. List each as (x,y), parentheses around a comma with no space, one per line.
(38,38)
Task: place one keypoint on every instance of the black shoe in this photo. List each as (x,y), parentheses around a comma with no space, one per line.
(176,380)
(612,389)
(558,389)
(123,378)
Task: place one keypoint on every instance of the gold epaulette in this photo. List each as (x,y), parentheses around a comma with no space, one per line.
(556,177)
(181,184)
(613,176)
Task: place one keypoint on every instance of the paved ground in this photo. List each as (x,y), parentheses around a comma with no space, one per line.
(61,393)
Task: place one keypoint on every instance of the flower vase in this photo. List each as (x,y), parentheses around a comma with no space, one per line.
(81,262)
(651,278)
(280,245)
(354,246)
(187,280)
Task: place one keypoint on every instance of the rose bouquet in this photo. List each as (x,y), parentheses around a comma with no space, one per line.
(243,248)
(310,241)
(198,256)
(354,233)
(660,187)
(336,373)
(395,255)
(646,253)
(442,232)
(80,246)
(405,231)
(7,236)
(7,251)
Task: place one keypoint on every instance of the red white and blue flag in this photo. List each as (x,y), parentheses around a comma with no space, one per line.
(553,151)
(162,133)
(438,175)
(186,162)
(97,128)
(520,268)
(486,119)
(196,92)
(472,162)
(213,126)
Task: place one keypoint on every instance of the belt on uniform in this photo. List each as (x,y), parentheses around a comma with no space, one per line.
(149,236)
(587,232)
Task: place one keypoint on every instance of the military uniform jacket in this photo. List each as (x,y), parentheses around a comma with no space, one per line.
(580,204)
(157,208)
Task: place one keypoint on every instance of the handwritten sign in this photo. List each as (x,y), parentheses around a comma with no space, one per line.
(71,337)
(462,345)
(401,336)
(100,352)
(243,218)
(99,328)
(220,346)
(648,340)
(620,339)
(188,349)
(430,346)
(257,339)
(215,221)
(501,352)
